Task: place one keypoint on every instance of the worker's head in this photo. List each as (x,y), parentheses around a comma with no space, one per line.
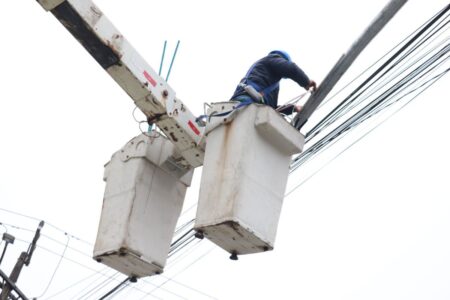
(281,53)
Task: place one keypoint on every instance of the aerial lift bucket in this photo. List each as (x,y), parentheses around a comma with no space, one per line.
(143,199)
(245,171)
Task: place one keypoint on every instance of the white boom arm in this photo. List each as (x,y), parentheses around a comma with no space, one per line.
(154,97)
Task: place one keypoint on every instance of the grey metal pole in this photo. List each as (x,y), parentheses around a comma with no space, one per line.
(346,61)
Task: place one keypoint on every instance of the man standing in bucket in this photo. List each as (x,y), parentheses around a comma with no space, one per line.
(261,83)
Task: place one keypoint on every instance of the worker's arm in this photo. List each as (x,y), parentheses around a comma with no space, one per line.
(312,86)
(287,69)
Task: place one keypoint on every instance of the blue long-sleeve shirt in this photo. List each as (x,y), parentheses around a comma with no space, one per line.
(270,70)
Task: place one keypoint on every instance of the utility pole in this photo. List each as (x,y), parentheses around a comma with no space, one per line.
(346,61)
(8,239)
(24,259)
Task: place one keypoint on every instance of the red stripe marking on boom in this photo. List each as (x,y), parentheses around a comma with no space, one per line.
(150,78)
(194,129)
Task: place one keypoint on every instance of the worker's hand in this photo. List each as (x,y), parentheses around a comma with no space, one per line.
(312,85)
(297,108)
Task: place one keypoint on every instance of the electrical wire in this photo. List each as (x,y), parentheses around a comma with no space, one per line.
(384,67)
(435,79)
(116,289)
(192,248)
(184,269)
(47,224)
(68,259)
(189,287)
(181,240)
(16,227)
(185,243)
(108,278)
(93,290)
(374,89)
(428,72)
(47,237)
(178,229)
(56,268)
(65,257)
(74,284)
(170,292)
(380,102)
(350,123)
(376,62)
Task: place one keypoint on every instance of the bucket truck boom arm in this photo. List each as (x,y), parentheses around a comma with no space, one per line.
(154,97)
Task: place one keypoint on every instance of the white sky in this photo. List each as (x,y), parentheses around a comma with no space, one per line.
(374,224)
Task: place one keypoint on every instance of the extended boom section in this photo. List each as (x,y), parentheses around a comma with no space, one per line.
(154,97)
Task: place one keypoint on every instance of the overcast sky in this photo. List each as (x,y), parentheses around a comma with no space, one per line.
(373,224)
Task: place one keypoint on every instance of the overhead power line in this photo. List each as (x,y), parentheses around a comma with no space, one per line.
(403,81)
(426,86)
(104,280)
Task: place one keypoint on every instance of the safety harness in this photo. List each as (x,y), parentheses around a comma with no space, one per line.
(254,90)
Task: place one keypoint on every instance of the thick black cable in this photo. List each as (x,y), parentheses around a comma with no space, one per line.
(120,290)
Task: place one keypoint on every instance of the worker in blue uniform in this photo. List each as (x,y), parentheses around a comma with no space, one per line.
(261,83)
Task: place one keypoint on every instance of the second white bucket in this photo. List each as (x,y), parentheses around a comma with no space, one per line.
(244,176)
